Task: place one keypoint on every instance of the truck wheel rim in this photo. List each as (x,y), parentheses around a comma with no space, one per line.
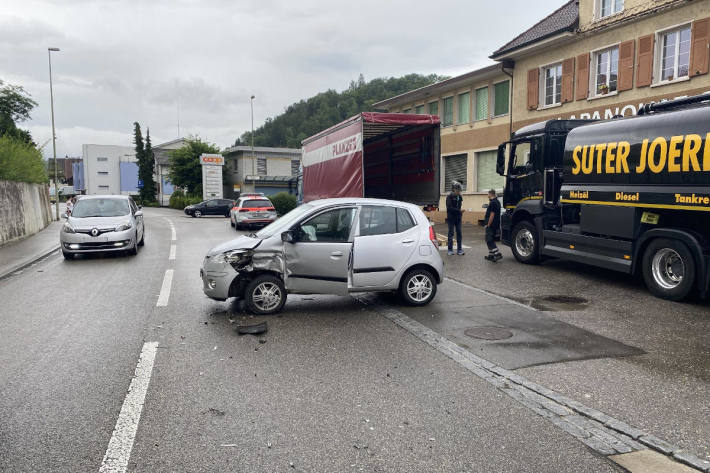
(524,243)
(668,268)
(419,288)
(266,296)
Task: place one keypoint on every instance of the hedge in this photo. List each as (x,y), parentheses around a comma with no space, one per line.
(20,161)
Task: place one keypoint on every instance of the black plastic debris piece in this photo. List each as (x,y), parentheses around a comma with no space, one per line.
(214,412)
(256,329)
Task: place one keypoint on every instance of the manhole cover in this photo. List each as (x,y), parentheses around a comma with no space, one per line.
(488,333)
(557,299)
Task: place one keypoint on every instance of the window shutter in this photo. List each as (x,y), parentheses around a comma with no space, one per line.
(644,67)
(533,88)
(455,169)
(700,44)
(568,80)
(626,65)
(582,85)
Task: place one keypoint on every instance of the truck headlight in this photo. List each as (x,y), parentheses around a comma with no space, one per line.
(66,228)
(124,226)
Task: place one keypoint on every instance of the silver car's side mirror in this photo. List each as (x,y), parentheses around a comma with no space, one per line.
(288,237)
(63,215)
(139,213)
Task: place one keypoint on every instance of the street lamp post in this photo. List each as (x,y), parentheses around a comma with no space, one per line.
(54,136)
(253,156)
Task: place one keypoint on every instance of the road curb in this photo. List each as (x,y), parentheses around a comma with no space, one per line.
(30,262)
(600,432)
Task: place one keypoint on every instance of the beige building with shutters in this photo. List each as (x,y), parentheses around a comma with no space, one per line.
(475,118)
(601,58)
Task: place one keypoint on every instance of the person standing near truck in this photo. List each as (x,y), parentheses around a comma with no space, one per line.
(454,201)
(492,220)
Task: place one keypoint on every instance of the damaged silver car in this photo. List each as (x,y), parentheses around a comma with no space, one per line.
(332,246)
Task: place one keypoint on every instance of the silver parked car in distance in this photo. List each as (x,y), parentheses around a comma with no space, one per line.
(101,223)
(332,246)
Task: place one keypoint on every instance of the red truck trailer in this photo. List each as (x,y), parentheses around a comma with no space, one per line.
(379,155)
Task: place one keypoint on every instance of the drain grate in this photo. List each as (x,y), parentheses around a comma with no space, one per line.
(559,299)
(488,333)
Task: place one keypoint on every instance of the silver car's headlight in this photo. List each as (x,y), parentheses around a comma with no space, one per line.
(232,257)
(66,228)
(124,226)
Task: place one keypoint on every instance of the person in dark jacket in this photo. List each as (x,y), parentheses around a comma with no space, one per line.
(453,217)
(492,220)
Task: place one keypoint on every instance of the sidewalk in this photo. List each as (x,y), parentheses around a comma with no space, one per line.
(15,256)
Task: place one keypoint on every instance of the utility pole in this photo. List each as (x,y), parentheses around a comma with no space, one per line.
(253,156)
(54,136)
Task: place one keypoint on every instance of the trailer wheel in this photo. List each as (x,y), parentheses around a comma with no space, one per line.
(525,243)
(668,269)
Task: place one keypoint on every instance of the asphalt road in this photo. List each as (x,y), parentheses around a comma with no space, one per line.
(665,389)
(333,387)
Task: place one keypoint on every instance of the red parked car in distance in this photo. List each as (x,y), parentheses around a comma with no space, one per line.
(252,210)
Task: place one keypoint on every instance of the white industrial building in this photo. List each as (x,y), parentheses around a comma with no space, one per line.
(110,169)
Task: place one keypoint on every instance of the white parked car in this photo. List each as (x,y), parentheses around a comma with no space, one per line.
(252,210)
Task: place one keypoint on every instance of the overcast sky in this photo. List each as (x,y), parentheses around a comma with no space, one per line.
(125,61)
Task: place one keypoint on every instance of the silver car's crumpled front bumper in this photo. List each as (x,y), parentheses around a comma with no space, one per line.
(108,241)
(217,277)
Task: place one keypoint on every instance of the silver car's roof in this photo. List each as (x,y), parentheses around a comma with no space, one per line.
(360,201)
(108,196)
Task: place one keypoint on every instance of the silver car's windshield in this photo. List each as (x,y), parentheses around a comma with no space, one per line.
(100,208)
(284,222)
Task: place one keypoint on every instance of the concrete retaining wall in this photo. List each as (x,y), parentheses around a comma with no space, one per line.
(24,210)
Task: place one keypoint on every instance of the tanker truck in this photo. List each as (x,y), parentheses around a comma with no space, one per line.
(626,194)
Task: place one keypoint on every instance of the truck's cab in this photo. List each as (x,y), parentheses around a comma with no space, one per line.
(532,164)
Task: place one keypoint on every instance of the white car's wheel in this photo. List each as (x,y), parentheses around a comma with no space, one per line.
(418,287)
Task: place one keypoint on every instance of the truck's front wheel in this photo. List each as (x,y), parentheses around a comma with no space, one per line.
(668,269)
(525,243)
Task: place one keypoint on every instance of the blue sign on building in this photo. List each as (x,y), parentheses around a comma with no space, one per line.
(129,177)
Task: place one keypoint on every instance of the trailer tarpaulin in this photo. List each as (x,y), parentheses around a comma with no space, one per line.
(332,164)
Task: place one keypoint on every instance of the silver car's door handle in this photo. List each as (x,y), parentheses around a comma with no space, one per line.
(337,253)
(408,241)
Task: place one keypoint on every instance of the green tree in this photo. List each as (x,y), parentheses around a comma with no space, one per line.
(185,169)
(20,161)
(307,117)
(15,107)
(138,142)
(145,171)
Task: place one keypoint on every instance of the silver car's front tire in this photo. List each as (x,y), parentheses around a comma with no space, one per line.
(265,294)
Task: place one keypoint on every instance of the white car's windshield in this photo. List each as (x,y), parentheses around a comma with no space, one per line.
(282,224)
(100,208)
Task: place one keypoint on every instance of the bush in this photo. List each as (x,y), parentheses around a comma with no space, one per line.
(20,161)
(179,200)
(283,202)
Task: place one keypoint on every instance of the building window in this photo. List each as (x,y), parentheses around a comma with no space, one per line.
(482,103)
(103,187)
(464,108)
(486,175)
(261,166)
(609,7)
(103,173)
(433,108)
(455,169)
(101,160)
(419,110)
(448,118)
(552,84)
(674,53)
(407,110)
(501,96)
(606,67)
(295,167)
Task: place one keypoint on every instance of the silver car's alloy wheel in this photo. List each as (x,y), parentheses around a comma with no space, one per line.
(267,296)
(667,268)
(419,287)
(524,243)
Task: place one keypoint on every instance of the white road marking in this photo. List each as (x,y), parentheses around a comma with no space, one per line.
(121,443)
(172,252)
(173,237)
(165,289)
